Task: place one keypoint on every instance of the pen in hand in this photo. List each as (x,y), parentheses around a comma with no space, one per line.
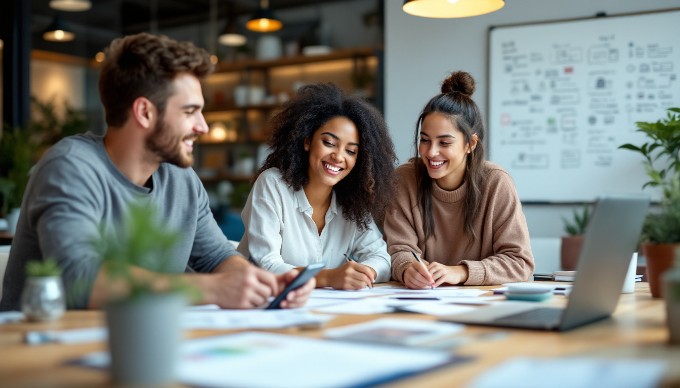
(350,259)
(421,262)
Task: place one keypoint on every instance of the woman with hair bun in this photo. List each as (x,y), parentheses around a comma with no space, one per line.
(457,218)
(330,171)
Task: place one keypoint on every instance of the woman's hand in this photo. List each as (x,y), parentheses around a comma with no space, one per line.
(418,277)
(455,274)
(349,276)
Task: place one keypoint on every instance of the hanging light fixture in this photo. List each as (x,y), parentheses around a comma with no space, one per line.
(71,5)
(230,36)
(451,8)
(57,31)
(264,19)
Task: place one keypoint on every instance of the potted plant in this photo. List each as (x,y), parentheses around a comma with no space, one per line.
(661,230)
(144,323)
(573,240)
(42,298)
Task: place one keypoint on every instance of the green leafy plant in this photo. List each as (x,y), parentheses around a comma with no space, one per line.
(17,147)
(20,148)
(662,150)
(239,195)
(663,226)
(661,154)
(140,241)
(43,268)
(579,222)
(50,127)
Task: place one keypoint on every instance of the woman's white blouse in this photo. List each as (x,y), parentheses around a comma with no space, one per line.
(281,234)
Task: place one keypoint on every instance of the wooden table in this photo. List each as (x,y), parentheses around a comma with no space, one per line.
(636,331)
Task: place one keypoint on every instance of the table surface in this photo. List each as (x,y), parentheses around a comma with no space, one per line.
(636,331)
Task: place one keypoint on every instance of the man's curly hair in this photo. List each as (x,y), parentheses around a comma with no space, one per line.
(368,188)
(145,65)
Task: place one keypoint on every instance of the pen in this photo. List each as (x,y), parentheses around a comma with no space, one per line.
(351,259)
(421,262)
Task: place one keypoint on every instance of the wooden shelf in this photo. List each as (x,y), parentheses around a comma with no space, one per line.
(236,108)
(211,179)
(220,157)
(252,64)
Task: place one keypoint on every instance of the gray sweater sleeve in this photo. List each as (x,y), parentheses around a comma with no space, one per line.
(76,193)
(63,213)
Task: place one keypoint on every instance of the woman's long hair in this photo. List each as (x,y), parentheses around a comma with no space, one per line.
(456,103)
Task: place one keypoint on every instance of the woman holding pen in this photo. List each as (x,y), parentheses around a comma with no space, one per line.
(457,218)
(330,170)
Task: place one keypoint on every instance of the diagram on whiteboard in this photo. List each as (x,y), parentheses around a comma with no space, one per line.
(564,96)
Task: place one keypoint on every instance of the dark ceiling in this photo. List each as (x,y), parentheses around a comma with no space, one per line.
(108,19)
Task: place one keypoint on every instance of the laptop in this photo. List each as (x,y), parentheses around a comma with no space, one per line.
(610,240)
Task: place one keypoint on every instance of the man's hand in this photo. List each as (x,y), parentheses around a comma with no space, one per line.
(236,283)
(298,297)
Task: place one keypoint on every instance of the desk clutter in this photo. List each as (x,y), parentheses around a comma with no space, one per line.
(382,334)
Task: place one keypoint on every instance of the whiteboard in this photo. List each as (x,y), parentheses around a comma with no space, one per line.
(563,96)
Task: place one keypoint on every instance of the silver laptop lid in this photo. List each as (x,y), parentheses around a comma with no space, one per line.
(610,240)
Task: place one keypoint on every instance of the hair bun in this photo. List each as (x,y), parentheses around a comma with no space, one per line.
(459,81)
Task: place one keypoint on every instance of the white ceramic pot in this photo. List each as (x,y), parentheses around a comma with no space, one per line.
(144,338)
(269,47)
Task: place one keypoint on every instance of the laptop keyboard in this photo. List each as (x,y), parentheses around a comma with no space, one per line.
(550,316)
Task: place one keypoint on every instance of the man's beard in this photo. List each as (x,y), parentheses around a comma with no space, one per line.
(167,147)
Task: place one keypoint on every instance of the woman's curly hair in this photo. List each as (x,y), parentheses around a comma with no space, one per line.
(368,188)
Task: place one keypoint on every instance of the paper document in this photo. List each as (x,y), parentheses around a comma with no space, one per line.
(11,316)
(251,319)
(275,360)
(395,331)
(330,293)
(362,306)
(72,336)
(436,309)
(573,373)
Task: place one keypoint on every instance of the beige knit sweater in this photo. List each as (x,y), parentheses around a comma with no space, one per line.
(501,252)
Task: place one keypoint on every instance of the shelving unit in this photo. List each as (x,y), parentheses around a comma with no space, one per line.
(235,146)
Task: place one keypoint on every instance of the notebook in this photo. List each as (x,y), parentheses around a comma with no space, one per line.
(610,239)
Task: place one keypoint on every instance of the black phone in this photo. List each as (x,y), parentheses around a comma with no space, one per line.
(307,273)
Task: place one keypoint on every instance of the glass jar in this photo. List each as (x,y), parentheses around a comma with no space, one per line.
(43,298)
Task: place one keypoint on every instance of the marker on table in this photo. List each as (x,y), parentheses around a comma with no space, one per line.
(421,262)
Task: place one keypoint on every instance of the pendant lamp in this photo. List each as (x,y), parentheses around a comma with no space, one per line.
(264,20)
(230,36)
(451,8)
(57,31)
(71,5)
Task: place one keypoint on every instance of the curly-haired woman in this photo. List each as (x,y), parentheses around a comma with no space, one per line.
(456,211)
(330,171)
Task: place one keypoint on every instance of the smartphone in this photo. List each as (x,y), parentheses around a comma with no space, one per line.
(307,273)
